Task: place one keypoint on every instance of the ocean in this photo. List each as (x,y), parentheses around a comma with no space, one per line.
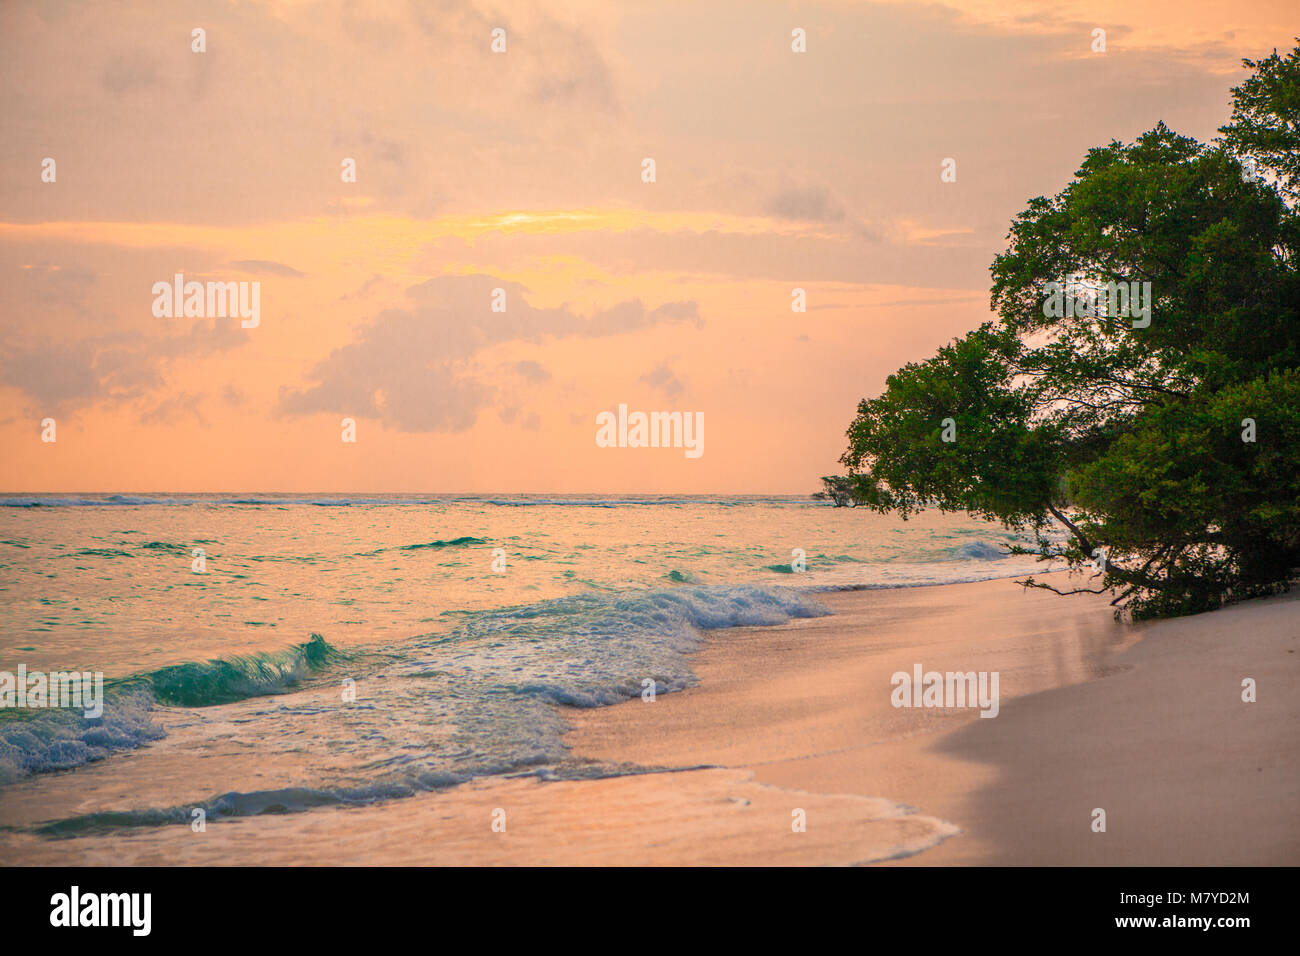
(299,651)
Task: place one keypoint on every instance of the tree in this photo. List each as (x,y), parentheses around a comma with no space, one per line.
(1265,123)
(1164,452)
(836,488)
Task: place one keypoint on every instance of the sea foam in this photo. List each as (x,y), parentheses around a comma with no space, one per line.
(432,712)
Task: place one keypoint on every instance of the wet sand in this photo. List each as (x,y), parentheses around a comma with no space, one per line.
(1146,722)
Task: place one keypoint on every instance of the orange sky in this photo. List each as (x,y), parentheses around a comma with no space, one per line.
(522,171)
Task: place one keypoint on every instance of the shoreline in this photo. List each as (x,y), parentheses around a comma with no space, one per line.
(1143,720)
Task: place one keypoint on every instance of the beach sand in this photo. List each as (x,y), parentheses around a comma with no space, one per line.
(1144,721)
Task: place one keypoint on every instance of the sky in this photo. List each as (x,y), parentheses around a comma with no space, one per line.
(524,171)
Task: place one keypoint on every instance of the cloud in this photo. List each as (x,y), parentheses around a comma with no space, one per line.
(560,63)
(366,288)
(171,411)
(510,414)
(532,372)
(632,315)
(663,378)
(234,396)
(49,284)
(126,74)
(411,368)
(61,375)
(57,375)
(266,267)
(810,204)
(573,72)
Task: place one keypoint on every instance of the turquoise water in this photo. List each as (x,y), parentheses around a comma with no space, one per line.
(367,648)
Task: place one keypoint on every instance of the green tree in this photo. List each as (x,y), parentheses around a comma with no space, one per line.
(1266,119)
(836,488)
(1104,435)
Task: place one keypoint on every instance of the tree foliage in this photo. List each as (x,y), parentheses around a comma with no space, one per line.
(838,489)
(1100,437)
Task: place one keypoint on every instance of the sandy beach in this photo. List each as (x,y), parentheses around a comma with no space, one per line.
(1144,721)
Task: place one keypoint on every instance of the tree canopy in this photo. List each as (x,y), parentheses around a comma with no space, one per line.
(1163,448)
